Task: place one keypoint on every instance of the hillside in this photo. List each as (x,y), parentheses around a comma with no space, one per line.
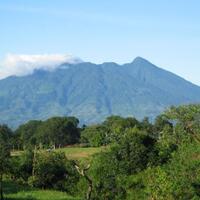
(92,92)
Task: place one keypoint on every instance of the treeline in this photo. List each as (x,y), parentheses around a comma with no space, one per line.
(158,160)
(57,132)
(54,132)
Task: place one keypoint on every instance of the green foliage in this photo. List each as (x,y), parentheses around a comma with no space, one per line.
(143,160)
(159,185)
(53,170)
(135,151)
(5,138)
(178,180)
(132,154)
(116,126)
(158,161)
(21,166)
(26,134)
(111,130)
(160,123)
(166,144)
(184,170)
(94,135)
(56,131)
(147,126)
(16,191)
(5,135)
(104,175)
(187,122)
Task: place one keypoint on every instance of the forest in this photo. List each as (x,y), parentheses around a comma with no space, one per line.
(132,159)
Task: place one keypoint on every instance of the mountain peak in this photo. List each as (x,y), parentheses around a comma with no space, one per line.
(139,59)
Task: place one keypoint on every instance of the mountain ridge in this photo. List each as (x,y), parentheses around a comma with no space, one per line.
(92,92)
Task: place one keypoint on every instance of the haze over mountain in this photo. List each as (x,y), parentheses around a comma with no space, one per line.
(92,92)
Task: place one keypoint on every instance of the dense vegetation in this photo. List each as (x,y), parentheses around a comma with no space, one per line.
(141,160)
(56,131)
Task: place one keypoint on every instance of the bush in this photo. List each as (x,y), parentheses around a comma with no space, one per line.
(21,166)
(53,170)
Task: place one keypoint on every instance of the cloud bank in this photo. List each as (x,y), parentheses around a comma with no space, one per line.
(21,65)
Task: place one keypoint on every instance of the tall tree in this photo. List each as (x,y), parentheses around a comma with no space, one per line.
(5,135)
(187,120)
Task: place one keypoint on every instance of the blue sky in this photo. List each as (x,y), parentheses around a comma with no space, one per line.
(165,32)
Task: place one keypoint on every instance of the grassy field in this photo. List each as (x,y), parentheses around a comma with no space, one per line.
(75,153)
(81,153)
(18,192)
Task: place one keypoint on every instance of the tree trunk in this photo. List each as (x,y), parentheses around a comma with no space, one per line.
(34,161)
(82,172)
(90,187)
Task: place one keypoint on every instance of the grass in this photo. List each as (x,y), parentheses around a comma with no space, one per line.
(14,191)
(81,153)
(75,153)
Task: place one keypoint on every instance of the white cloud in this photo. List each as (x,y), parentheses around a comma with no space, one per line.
(20,65)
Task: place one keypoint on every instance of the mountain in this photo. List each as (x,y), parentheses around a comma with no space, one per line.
(92,92)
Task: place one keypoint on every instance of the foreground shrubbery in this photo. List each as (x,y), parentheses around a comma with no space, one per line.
(46,170)
(159,161)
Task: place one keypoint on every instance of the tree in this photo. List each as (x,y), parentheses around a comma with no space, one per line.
(5,135)
(21,166)
(187,122)
(147,126)
(83,172)
(178,179)
(58,131)
(55,131)
(160,123)
(53,170)
(94,135)
(25,135)
(135,151)
(116,127)
(105,175)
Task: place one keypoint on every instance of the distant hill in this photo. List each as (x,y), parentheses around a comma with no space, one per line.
(92,92)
